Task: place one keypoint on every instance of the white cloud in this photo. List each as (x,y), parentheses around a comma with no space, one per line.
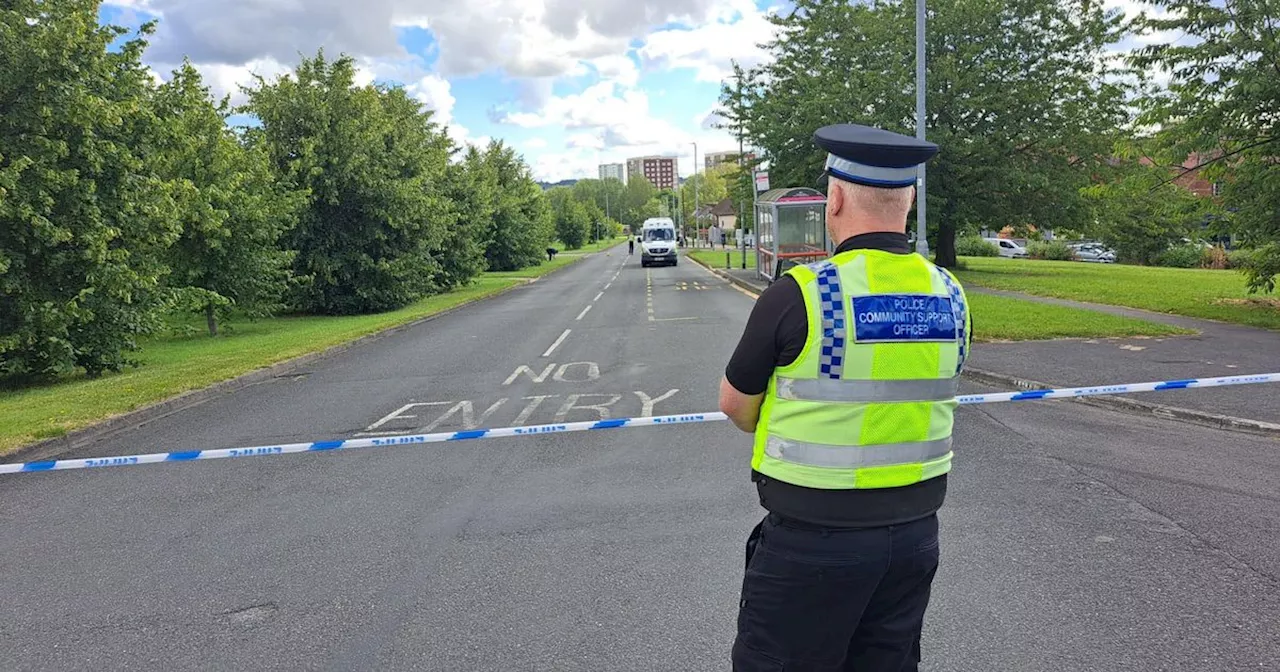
(525,38)
(224,80)
(434,92)
(710,48)
(619,69)
(535,143)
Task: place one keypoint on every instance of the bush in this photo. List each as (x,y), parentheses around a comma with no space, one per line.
(1182,256)
(1054,250)
(975,246)
(1216,258)
(1239,258)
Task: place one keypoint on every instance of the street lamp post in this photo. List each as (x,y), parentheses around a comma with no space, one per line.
(922,243)
(696,225)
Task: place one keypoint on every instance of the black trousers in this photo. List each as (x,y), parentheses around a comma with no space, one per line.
(820,599)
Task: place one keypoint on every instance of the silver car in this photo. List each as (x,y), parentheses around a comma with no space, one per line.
(1093,252)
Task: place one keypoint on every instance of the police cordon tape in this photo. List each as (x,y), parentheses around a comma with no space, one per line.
(617,423)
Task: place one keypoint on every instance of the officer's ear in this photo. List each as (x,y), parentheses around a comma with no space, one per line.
(835,198)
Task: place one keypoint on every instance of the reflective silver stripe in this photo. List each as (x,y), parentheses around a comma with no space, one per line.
(868,391)
(901,177)
(850,457)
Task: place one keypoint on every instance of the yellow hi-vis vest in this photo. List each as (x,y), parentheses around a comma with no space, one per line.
(869,402)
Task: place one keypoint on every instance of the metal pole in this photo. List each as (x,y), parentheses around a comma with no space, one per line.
(922,242)
(695,192)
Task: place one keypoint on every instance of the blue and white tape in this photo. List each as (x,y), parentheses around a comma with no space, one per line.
(617,423)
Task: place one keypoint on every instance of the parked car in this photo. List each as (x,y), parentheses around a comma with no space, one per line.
(1093,252)
(1008,248)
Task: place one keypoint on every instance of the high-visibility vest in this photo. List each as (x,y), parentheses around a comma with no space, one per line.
(869,402)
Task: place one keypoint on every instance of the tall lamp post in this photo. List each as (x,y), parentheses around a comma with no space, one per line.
(696,205)
(922,243)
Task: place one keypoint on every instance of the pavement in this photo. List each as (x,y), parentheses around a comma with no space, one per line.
(1074,538)
(1218,349)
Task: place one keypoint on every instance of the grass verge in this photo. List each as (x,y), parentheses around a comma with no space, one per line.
(715,258)
(1215,295)
(997,318)
(172,365)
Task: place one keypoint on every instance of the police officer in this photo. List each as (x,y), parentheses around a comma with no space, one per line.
(847,375)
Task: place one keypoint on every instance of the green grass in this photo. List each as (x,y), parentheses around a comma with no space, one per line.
(715,258)
(1215,295)
(172,365)
(997,318)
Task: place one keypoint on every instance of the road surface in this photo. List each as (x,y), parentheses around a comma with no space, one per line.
(1073,538)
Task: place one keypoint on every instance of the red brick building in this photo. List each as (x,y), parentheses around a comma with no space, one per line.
(661,171)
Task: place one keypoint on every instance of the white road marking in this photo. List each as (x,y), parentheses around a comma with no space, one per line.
(396,414)
(592,372)
(557,343)
(584,312)
(600,294)
(537,378)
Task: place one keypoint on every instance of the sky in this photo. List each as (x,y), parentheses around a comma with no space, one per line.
(570,84)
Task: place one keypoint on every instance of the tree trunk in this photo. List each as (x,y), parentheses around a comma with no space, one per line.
(211,320)
(946,252)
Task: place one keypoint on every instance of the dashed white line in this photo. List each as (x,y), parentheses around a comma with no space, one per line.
(556,344)
(599,295)
(584,312)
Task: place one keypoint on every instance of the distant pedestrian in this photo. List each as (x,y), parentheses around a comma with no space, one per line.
(631,246)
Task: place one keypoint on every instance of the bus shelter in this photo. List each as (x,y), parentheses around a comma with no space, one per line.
(791,229)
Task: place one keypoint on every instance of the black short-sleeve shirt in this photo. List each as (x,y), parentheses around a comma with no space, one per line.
(775,335)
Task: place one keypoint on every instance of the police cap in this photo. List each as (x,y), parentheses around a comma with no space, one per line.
(872,156)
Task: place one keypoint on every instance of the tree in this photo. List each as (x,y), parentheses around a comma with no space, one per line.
(636,201)
(709,187)
(1221,102)
(84,219)
(1140,214)
(569,215)
(1022,99)
(374,165)
(233,214)
(473,192)
(522,223)
(573,224)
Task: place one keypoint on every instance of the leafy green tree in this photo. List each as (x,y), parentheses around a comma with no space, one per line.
(522,223)
(573,224)
(1222,102)
(84,219)
(1021,97)
(708,187)
(1140,214)
(473,191)
(234,212)
(569,215)
(375,166)
(636,199)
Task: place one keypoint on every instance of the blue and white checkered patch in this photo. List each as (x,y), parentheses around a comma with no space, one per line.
(831,359)
(961,311)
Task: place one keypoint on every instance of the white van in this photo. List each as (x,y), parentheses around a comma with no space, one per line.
(1008,248)
(658,242)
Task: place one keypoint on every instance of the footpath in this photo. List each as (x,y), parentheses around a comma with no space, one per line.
(1218,349)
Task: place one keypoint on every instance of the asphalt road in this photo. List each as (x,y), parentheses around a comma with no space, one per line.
(1073,538)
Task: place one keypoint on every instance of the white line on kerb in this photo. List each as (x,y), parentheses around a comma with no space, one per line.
(598,296)
(584,312)
(556,344)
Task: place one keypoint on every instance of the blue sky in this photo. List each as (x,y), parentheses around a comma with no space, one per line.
(569,83)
